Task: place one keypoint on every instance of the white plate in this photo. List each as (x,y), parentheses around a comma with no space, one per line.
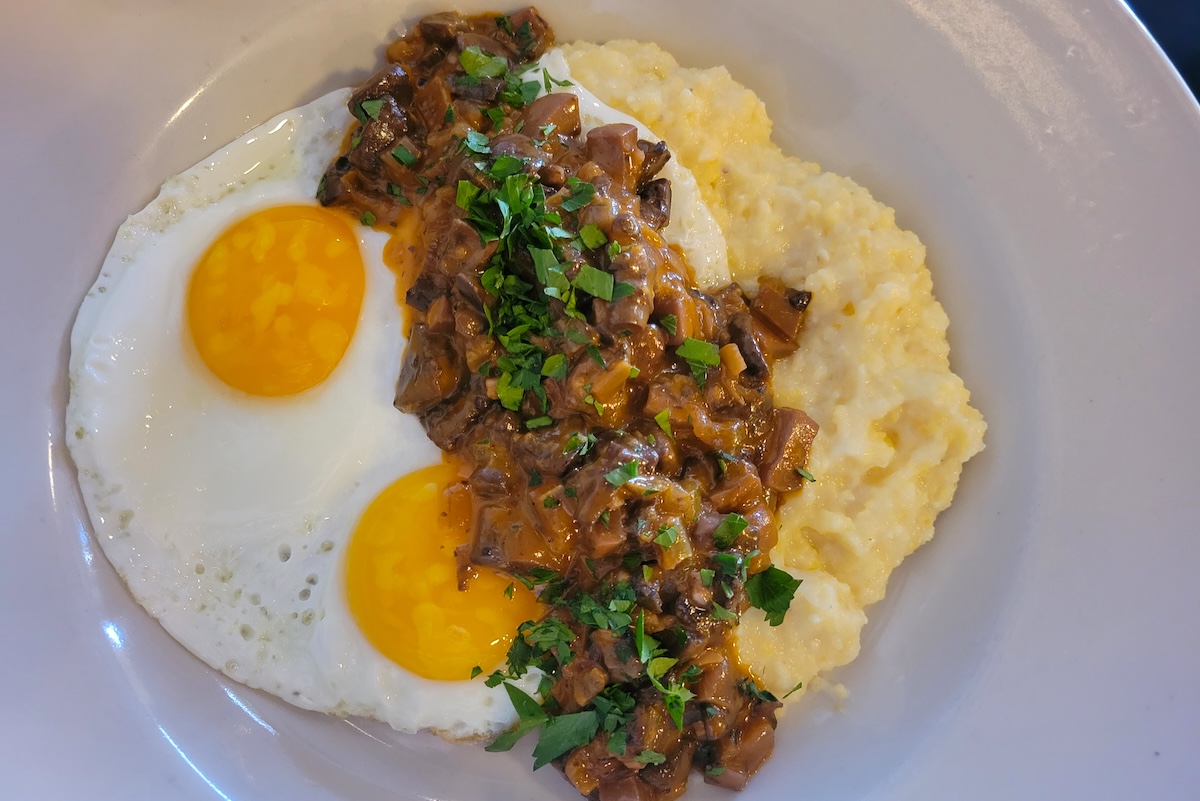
(1046,645)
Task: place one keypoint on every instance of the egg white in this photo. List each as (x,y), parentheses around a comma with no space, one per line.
(228,515)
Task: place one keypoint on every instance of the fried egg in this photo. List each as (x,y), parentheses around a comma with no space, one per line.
(231,419)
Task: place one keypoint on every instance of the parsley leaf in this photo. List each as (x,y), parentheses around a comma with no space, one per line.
(643,642)
(663,419)
(477,142)
(579,444)
(804,474)
(403,155)
(531,717)
(622,289)
(368,218)
(675,695)
(648,757)
(507,393)
(594,282)
(479,64)
(555,367)
(728,530)
(563,733)
(496,115)
(772,591)
(700,356)
(581,194)
(372,108)
(467,192)
(669,323)
(667,535)
(751,689)
(721,613)
(506,166)
(592,237)
(622,474)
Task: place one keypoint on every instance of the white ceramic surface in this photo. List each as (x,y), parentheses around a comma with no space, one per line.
(1046,645)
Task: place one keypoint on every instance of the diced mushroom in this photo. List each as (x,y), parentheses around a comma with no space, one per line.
(532,34)
(742,334)
(627,788)
(560,109)
(614,148)
(487,44)
(786,449)
(449,422)
(519,146)
(428,286)
(483,90)
(379,135)
(655,203)
(431,101)
(432,371)
(781,307)
(442,28)
(744,753)
(391,81)
(656,156)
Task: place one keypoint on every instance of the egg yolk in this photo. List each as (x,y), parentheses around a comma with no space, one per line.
(402,582)
(274,301)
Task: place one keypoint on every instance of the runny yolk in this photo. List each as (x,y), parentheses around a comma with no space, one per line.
(402,582)
(274,301)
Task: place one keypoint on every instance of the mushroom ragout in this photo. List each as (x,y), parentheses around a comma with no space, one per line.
(621,448)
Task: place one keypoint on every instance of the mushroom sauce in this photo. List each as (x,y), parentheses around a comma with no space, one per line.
(622,451)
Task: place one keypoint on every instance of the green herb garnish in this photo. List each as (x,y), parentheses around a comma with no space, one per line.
(728,530)
(622,474)
(403,155)
(772,591)
(479,64)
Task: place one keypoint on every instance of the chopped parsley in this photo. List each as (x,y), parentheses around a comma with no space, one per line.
(479,64)
(648,757)
(477,142)
(592,237)
(593,281)
(622,474)
(555,366)
(700,356)
(721,613)
(728,530)
(371,108)
(667,535)
(581,193)
(403,155)
(772,591)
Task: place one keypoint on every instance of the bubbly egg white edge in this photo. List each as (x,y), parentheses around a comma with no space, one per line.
(311,654)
